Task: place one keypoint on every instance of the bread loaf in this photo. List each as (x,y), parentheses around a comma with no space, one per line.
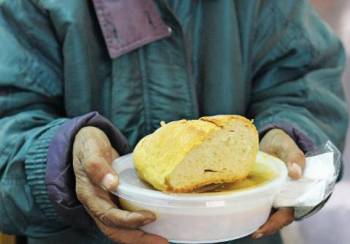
(184,155)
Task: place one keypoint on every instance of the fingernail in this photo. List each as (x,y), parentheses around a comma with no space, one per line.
(147,221)
(297,168)
(147,215)
(258,235)
(109,181)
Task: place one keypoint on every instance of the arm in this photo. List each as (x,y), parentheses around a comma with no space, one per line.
(40,193)
(30,114)
(32,120)
(297,66)
(296,71)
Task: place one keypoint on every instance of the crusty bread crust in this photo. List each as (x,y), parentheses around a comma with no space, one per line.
(183,156)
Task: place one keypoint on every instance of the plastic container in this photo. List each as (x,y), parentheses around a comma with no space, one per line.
(201,217)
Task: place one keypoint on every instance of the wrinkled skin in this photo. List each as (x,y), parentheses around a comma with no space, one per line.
(92,158)
(95,178)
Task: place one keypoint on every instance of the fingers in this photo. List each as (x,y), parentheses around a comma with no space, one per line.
(281,218)
(294,171)
(100,205)
(128,236)
(295,162)
(95,153)
(280,144)
(92,157)
(100,172)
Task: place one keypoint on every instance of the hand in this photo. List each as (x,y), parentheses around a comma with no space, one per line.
(92,158)
(278,143)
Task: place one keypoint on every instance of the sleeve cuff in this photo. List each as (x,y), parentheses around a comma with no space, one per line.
(60,180)
(299,136)
(35,167)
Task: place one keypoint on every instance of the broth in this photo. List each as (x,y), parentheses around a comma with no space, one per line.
(259,175)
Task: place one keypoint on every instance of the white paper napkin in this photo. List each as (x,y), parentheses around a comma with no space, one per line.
(313,187)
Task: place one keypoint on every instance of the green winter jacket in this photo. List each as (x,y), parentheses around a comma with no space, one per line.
(273,61)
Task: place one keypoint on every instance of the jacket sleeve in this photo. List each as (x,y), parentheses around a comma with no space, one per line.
(35,133)
(30,114)
(297,64)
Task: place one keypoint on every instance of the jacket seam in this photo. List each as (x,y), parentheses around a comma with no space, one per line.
(145,94)
(187,66)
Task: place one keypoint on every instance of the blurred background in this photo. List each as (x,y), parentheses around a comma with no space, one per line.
(330,225)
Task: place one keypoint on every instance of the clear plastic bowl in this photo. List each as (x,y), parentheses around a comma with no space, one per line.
(201,217)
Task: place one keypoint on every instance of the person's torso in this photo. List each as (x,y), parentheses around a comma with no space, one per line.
(202,68)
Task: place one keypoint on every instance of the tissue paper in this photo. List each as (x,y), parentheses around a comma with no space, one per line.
(318,180)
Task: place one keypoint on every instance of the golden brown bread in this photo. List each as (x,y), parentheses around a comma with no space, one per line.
(184,155)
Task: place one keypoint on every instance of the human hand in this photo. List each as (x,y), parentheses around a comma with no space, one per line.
(278,143)
(95,178)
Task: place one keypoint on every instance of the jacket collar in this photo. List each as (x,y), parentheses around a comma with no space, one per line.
(129,24)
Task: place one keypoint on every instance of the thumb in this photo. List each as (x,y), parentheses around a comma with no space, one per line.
(278,143)
(292,155)
(295,162)
(100,172)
